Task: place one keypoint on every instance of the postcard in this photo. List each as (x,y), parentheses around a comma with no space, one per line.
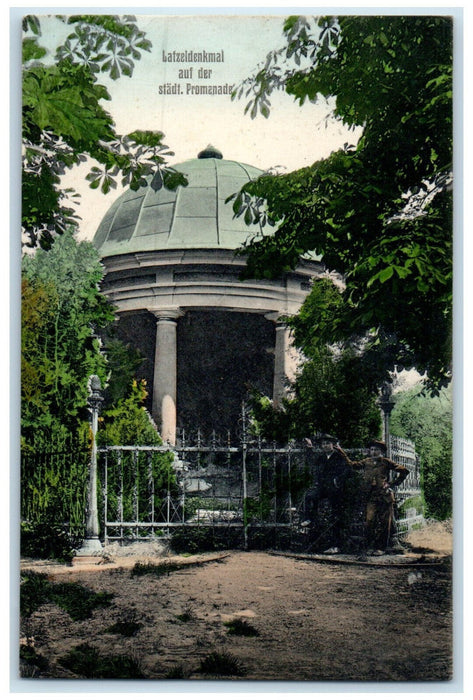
(236,349)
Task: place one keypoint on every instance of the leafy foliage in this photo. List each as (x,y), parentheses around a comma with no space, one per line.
(335,389)
(62,315)
(380,212)
(43,538)
(427,421)
(128,422)
(64,123)
(192,540)
(62,310)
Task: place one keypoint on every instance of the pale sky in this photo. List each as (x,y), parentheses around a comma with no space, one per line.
(292,137)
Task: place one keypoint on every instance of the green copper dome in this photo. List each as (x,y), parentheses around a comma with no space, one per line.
(195,216)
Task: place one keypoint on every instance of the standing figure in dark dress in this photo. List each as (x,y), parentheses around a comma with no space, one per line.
(325,501)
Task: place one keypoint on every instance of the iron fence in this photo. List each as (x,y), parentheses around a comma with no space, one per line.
(250,487)
(149,492)
(53,486)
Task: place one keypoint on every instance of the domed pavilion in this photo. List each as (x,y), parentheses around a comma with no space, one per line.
(171,270)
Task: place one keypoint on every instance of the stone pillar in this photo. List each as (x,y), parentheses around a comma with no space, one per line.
(91,545)
(165,373)
(285,359)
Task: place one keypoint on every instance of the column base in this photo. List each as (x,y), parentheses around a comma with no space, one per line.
(91,547)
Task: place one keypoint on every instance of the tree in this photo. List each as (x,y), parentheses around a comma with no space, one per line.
(127,422)
(331,394)
(427,421)
(65,123)
(336,386)
(379,213)
(62,313)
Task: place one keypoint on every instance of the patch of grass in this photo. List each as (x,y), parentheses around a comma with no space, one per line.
(34,592)
(164,569)
(186,616)
(188,613)
(241,628)
(177,672)
(221,664)
(127,628)
(84,660)
(78,601)
(29,654)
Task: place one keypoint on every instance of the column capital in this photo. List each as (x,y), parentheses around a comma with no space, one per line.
(276,317)
(171,313)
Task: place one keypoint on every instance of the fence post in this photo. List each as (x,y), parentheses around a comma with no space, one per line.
(243,462)
(386,405)
(91,544)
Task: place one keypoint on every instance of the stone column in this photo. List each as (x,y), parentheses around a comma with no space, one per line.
(165,373)
(285,359)
(91,545)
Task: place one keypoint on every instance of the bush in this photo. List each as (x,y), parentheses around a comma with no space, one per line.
(47,540)
(206,539)
(416,502)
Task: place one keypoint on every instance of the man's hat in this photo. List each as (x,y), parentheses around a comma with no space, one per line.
(325,437)
(378,443)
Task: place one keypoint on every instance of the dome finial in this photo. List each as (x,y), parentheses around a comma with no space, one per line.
(210,152)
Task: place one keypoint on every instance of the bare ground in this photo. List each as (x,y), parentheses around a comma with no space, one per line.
(387,619)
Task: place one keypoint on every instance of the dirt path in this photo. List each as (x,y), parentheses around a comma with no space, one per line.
(315,620)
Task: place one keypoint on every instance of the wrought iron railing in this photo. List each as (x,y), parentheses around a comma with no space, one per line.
(215,484)
(148,492)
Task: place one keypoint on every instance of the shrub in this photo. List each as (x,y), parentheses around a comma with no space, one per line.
(206,539)
(45,539)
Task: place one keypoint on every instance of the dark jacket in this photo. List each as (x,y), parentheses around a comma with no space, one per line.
(331,474)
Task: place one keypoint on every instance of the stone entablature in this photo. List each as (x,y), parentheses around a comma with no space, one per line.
(199,279)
